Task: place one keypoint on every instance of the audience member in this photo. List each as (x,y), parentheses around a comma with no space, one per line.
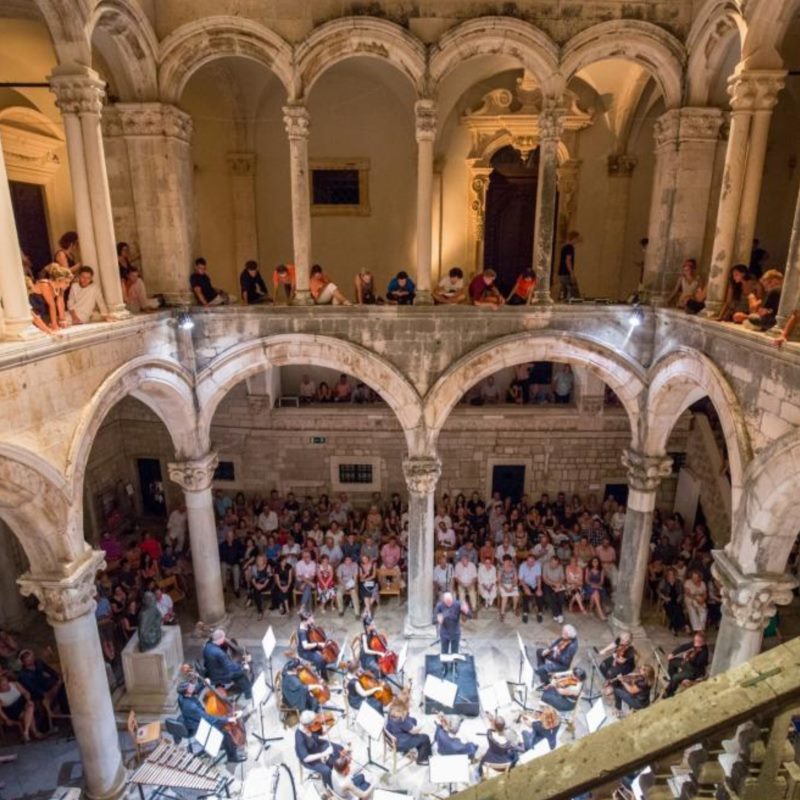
(401,290)
(134,293)
(764,312)
(323,291)
(284,282)
(450,289)
(204,293)
(365,289)
(483,292)
(523,289)
(85,297)
(567,280)
(253,289)
(67,254)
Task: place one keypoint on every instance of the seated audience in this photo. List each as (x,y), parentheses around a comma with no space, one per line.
(365,289)
(688,291)
(450,289)
(135,293)
(323,291)
(204,293)
(483,292)
(401,290)
(85,297)
(764,312)
(252,286)
(284,282)
(16,706)
(342,390)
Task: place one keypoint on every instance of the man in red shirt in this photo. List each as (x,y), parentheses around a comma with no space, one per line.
(151,546)
(483,292)
(284,278)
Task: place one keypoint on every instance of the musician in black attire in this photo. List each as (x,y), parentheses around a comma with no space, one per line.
(308,650)
(447,740)
(356,693)
(634,688)
(313,751)
(558,657)
(407,734)
(369,657)
(687,663)
(297,694)
(221,669)
(193,710)
(622,659)
(447,615)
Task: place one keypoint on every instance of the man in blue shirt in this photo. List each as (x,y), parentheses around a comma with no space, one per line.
(401,290)
(192,711)
(530,584)
(221,669)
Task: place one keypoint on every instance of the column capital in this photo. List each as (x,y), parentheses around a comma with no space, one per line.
(196,475)
(65,599)
(147,120)
(750,600)
(756,90)
(551,124)
(422,474)
(242,164)
(297,121)
(666,129)
(621,165)
(700,124)
(425,119)
(645,472)
(78,90)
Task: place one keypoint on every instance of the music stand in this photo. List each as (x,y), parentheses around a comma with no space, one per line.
(596,716)
(442,692)
(494,697)
(268,644)
(450,770)
(526,675)
(450,658)
(591,695)
(371,722)
(261,695)
(210,740)
(402,657)
(541,749)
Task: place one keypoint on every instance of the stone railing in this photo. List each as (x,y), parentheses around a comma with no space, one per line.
(728,737)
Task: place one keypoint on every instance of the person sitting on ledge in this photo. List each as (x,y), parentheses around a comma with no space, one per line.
(84,297)
(764,312)
(401,290)
(135,293)
(523,289)
(784,335)
(204,292)
(284,282)
(450,289)
(483,292)
(254,290)
(323,291)
(365,289)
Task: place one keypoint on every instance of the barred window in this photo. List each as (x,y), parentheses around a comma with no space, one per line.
(335,187)
(355,473)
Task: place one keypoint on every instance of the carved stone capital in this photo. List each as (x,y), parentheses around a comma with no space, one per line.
(425,120)
(196,475)
(147,120)
(422,475)
(551,124)
(242,164)
(666,129)
(645,473)
(78,91)
(297,121)
(756,90)
(67,598)
(478,186)
(621,165)
(700,124)
(750,600)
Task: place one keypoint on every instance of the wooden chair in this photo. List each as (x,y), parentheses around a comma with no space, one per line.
(284,711)
(489,770)
(170,586)
(390,746)
(144,737)
(390,582)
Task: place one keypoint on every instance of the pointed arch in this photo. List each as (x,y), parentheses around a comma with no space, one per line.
(66,21)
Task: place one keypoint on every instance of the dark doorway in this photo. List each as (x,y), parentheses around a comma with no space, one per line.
(510,205)
(509,480)
(153,502)
(619,491)
(27,200)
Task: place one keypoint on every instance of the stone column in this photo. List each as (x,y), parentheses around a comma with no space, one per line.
(158,139)
(195,478)
(551,125)
(422,475)
(69,605)
(644,476)
(748,91)
(748,603)
(478,187)
(16,314)
(425,119)
(790,295)
(612,257)
(298,129)
(242,170)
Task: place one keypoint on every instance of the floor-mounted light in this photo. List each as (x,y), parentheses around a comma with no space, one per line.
(185,321)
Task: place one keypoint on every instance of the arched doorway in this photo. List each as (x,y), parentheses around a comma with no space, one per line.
(510,206)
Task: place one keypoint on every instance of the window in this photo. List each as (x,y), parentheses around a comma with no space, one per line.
(355,473)
(225,471)
(340,187)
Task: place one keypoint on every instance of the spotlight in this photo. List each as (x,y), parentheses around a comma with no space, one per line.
(637,316)
(185,321)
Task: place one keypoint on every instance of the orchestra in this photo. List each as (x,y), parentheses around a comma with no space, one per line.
(622,658)
(687,663)
(222,668)
(406,732)
(558,656)
(301,688)
(447,741)
(543,725)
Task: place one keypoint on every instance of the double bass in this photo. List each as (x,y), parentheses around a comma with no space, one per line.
(387,663)
(217,704)
(329,649)
(309,677)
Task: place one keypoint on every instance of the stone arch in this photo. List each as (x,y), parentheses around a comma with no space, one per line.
(505,139)
(163,386)
(191,46)
(681,379)
(242,361)
(765,33)
(34,503)
(355,37)
(643,43)
(66,21)
(713,30)
(622,374)
(533,48)
(133,54)
(767,523)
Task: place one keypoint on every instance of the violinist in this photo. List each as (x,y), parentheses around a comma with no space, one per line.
(447,741)
(297,694)
(358,694)
(564,689)
(306,649)
(369,656)
(558,657)
(312,749)
(345,784)
(687,663)
(223,670)
(634,688)
(622,659)
(501,749)
(406,732)
(544,725)
(192,711)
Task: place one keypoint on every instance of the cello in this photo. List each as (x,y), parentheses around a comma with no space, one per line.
(309,677)
(387,662)
(384,695)
(217,704)
(329,649)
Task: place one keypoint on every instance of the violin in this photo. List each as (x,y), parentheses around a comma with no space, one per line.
(387,663)
(384,695)
(329,649)
(217,704)
(309,677)
(621,653)
(322,722)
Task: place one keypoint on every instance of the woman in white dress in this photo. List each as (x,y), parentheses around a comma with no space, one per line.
(487,582)
(695,598)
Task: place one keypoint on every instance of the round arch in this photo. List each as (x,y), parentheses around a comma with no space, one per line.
(240,362)
(355,37)
(505,139)
(643,43)
(191,46)
(133,54)
(623,375)
(681,379)
(66,21)
(163,386)
(533,48)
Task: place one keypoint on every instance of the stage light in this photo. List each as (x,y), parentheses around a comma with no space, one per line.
(185,321)
(637,317)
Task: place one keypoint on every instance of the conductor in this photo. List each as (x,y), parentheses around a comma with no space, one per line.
(447,616)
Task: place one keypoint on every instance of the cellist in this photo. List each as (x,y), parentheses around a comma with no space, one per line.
(356,693)
(306,649)
(369,657)
(193,710)
(297,694)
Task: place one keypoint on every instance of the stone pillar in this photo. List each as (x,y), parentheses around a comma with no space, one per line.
(298,125)
(612,257)
(425,119)
(748,603)
(644,476)
(242,170)
(158,139)
(551,125)
(16,309)
(422,475)
(748,91)
(790,295)
(69,605)
(478,187)
(81,92)
(195,478)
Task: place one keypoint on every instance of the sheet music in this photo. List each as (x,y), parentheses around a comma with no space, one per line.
(442,692)
(527,673)
(260,690)
(596,715)
(214,742)
(450,769)
(494,696)
(401,662)
(449,658)
(370,721)
(268,643)
(201,735)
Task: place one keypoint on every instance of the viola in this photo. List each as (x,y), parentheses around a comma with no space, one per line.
(217,704)
(308,677)
(329,649)
(384,695)
(322,722)
(387,663)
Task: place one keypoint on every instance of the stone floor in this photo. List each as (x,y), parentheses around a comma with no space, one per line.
(40,767)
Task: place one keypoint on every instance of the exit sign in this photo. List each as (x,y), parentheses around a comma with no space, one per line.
(319,439)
